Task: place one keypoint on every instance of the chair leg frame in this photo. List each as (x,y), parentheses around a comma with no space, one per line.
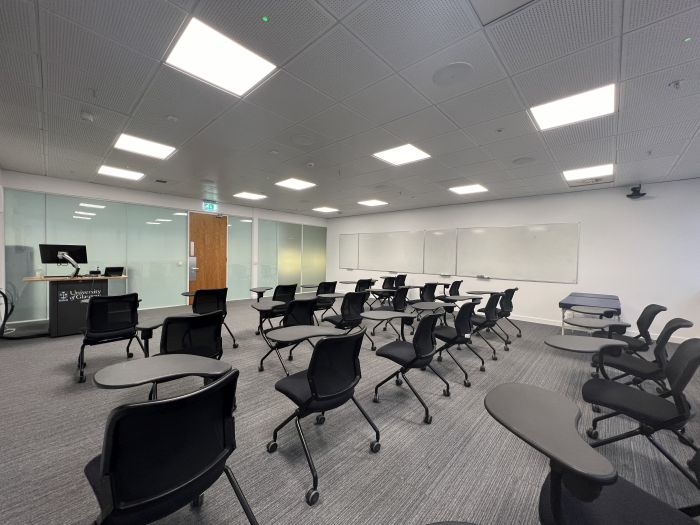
(241,497)
(235,344)
(520,332)
(273,348)
(466,375)
(366,415)
(493,355)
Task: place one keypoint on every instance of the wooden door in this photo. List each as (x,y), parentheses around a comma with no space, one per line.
(208,234)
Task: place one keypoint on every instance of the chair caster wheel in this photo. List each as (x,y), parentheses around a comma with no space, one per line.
(197,502)
(312,497)
(398,382)
(257,332)
(320,420)
(373,348)
(594,375)
(81,379)
(235,345)
(423,368)
(659,390)
(290,358)
(261,368)
(384,329)
(271,446)
(445,392)
(596,409)
(375,399)
(439,358)
(482,368)
(428,419)
(506,349)
(129,355)
(519,335)
(467,383)
(592,433)
(494,358)
(375,446)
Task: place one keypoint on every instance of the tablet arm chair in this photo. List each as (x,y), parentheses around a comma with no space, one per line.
(110,318)
(506,309)
(487,321)
(298,312)
(427,294)
(328,383)
(388,284)
(283,293)
(416,354)
(138,478)
(652,413)
(642,341)
(206,301)
(459,334)
(582,487)
(400,280)
(323,304)
(350,311)
(454,290)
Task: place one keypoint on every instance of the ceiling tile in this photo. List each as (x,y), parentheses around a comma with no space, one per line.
(653,170)
(18,25)
(387,100)
(464,157)
(361,145)
(61,163)
(583,154)
(362,166)
(424,124)
(595,128)
(340,8)
(77,135)
(146,27)
(20,66)
(22,95)
(591,68)
(19,115)
(471,64)
(546,30)
(643,12)
(447,143)
(487,103)
(661,113)
(640,153)
(302,138)
(646,138)
(70,109)
(661,45)
(21,148)
(490,10)
(405,31)
(287,96)
(293,24)
(502,128)
(530,145)
(338,122)
(338,64)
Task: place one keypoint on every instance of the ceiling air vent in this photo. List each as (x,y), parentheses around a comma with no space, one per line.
(161,181)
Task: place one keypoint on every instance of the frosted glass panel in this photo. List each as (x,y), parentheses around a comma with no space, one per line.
(240,237)
(289,253)
(313,254)
(267,253)
(156,255)
(25,220)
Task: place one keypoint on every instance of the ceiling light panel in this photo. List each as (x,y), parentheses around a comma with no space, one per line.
(88,205)
(120,173)
(372,202)
(592,172)
(326,209)
(402,155)
(295,184)
(471,188)
(250,196)
(576,108)
(214,58)
(143,147)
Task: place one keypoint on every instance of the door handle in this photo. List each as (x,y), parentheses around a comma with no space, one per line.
(195,268)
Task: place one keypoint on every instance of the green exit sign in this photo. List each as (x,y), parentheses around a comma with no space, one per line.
(209,206)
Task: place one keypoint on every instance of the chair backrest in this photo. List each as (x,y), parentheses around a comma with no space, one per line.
(490,308)
(454,288)
(326,287)
(284,292)
(352,306)
(193,334)
(206,301)
(660,352)
(334,369)
(363,284)
(388,283)
(112,312)
(646,318)
(424,338)
(506,302)
(156,451)
(681,369)
(400,280)
(399,301)
(7,309)
(427,293)
(299,312)
(463,321)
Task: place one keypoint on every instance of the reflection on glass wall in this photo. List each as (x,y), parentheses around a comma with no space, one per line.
(267,253)
(240,244)
(289,253)
(313,254)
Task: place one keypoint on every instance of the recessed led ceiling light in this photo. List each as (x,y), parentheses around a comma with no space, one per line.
(88,213)
(583,106)
(295,184)
(326,209)
(164,220)
(143,147)
(120,173)
(250,196)
(81,217)
(372,202)
(212,57)
(471,188)
(246,220)
(153,223)
(180,213)
(401,155)
(88,205)
(604,170)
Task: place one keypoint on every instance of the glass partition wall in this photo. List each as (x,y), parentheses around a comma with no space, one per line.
(240,256)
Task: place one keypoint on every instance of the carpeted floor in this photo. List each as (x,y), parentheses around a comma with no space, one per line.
(464,466)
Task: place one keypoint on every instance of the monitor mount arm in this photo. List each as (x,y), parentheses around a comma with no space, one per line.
(71,261)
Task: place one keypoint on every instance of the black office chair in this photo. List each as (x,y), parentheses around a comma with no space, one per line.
(643,341)
(384,297)
(283,293)
(652,412)
(408,356)
(193,334)
(158,456)
(324,304)
(400,280)
(328,383)
(427,294)
(459,334)
(506,309)
(488,321)
(110,318)
(298,312)
(206,301)
(398,304)
(454,290)
(363,284)
(350,311)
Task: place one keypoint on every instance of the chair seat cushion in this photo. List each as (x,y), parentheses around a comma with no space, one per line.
(642,406)
(400,352)
(449,334)
(634,365)
(92,473)
(621,503)
(112,335)
(635,344)
(334,319)
(296,388)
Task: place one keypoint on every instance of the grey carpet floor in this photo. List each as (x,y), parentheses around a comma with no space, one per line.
(464,466)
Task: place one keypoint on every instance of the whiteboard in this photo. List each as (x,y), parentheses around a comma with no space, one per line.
(391,251)
(537,252)
(440,257)
(347,251)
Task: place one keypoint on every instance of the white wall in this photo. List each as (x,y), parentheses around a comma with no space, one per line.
(644,251)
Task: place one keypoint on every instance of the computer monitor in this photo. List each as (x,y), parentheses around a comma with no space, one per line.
(49,253)
(114,271)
